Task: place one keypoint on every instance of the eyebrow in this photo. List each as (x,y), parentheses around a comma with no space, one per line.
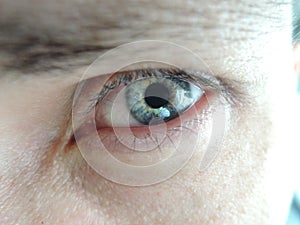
(34,55)
(39,46)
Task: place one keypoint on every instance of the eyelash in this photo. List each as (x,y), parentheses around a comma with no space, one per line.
(129,76)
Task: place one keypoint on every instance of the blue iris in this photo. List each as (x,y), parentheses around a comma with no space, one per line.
(160,97)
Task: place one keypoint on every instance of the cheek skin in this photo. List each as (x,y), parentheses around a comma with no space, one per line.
(223,193)
(228,192)
(30,130)
(67,190)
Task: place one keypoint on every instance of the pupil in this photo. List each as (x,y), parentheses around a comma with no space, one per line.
(156,95)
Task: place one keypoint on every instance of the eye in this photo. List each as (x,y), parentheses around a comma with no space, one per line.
(138,127)
(148,101)
(148,111)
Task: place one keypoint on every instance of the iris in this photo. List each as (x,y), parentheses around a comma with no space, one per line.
(159,97)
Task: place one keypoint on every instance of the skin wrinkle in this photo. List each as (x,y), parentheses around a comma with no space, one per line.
(135,15)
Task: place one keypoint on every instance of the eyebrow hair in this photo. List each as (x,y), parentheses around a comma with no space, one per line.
(34,53)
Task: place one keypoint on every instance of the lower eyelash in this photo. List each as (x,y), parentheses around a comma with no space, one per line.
(122,144)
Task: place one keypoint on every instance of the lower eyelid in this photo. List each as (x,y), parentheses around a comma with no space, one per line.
(128,144)
(103,128)
(197,107)
(139,131)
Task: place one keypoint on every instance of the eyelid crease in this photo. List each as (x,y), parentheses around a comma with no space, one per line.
(227,89)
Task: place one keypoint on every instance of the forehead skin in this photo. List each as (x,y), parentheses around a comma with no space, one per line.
(97,22)
(240,40)
(222,32)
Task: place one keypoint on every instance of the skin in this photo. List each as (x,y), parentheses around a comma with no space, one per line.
(47,45)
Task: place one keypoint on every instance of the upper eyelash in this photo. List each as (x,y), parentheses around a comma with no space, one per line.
(126,77)
(202,80)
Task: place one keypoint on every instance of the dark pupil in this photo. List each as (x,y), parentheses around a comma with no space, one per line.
(156,95)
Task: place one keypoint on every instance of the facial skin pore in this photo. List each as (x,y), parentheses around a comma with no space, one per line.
(45,46)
